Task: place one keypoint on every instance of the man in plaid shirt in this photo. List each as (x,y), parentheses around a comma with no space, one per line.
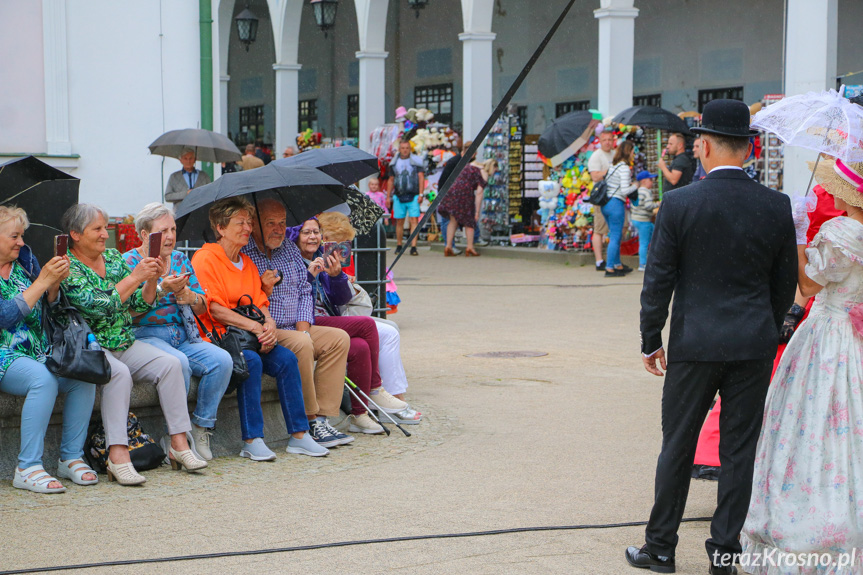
(284,280)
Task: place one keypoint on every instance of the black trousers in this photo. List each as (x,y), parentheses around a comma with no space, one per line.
(689,390)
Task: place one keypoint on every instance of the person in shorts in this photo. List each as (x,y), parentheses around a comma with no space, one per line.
(405,184)
(597,166)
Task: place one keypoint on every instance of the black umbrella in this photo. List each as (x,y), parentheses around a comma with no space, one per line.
(651,117)
(345,163)
(209,146)
(304,191)
(567,135)
(45,193)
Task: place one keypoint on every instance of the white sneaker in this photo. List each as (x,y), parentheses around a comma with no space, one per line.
(364,424)
(641,269)
(386,401)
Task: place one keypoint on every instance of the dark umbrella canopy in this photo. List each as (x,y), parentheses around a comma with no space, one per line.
(567,135)
(651,117)
(304,191)
(347,164)
(45,193)
(209,146)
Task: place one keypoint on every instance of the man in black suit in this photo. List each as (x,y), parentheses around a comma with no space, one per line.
(725,248)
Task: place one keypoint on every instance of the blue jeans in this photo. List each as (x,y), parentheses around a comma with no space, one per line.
(615,214)
(645,232)
(205,360)
(30,379)
(280,363)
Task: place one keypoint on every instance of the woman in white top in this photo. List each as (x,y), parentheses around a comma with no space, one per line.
(620,185)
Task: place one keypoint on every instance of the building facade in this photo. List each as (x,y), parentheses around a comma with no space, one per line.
(88,84)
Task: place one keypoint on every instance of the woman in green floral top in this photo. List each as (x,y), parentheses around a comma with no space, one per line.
(23,349)
(104,290)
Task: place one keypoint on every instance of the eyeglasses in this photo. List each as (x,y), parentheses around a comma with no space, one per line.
(308,233)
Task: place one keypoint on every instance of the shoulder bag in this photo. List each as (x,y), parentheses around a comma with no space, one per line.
(70,336)
(235,340)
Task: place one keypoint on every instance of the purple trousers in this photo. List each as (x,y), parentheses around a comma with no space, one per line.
(362,355)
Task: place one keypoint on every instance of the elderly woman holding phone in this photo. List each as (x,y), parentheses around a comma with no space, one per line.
(228,275)
(170,325)
(23,350)
(103,288)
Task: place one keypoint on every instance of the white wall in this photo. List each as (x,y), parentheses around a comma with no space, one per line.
(22,84)
(123,91)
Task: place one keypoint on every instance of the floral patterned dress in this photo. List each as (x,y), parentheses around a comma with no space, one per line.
(26,338)
(807,494)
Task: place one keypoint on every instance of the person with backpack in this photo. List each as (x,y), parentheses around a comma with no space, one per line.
(620,185)
(406,183)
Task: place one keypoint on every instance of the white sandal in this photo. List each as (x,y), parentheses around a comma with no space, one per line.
(38,483)
(76,472)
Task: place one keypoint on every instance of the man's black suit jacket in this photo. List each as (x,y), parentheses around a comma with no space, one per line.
(725,247)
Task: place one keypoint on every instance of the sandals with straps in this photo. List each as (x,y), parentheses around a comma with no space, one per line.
(38,483)
(76,472)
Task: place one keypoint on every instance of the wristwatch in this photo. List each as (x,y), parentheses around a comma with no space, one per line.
(306,332)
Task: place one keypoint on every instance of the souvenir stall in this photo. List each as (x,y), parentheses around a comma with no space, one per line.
(495,216)
(771,159)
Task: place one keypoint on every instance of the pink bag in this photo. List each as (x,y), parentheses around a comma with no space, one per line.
(856,317)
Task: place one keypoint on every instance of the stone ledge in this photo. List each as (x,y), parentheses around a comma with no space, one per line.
(144,403)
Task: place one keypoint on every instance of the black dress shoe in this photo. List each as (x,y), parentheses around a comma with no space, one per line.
(644,559)
(728,570)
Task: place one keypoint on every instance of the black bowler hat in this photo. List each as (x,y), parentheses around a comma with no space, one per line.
(725,118)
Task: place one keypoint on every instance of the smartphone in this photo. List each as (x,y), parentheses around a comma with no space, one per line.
(155,248)
(61,245)
(341,250)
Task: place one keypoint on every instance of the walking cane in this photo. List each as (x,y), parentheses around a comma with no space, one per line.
(375,417)
(370,400)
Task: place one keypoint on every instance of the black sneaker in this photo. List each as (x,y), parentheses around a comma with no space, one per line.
(615,274)
(343,438)
(414,251)
(600,267)
(398,249)
(320,432)
(625,269)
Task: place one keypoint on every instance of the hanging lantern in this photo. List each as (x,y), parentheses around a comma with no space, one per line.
(418,5)
(247,27)
(325,13)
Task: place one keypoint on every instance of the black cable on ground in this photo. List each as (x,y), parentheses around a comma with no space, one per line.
(339,544)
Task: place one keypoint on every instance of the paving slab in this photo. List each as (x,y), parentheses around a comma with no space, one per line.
(566,438)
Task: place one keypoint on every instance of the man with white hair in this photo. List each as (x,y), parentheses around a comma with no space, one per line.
(186,179)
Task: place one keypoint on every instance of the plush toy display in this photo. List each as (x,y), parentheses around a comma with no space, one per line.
(548,191)
(308,139)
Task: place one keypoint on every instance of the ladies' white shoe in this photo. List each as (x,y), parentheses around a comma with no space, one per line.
(386,401)
(364,424)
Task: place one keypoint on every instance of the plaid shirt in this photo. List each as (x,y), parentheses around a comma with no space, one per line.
(292,299)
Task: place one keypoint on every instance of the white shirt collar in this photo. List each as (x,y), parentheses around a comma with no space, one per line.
(725,168)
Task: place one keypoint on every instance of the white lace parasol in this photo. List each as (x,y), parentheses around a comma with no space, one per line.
(825,122)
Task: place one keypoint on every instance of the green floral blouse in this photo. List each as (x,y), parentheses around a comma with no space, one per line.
(25,339)
(99,302)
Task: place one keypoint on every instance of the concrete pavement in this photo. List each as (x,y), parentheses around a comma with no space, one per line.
(567,438)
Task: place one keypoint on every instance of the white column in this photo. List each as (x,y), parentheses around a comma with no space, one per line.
(56,77)
(223,104)
(372,104)
(287,105)
(616,55)
(477,80)
(810,66)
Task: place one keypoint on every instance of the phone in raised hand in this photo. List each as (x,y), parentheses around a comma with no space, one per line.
(155,248)
(61,245)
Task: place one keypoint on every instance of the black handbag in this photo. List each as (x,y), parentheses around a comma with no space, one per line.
(70,336)
(599,192)
(235,340)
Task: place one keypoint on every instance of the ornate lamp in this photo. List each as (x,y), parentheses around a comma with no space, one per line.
(325,13)
(418,5)
(247,27)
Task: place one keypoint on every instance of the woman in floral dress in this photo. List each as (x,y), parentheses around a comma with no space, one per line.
(809,464)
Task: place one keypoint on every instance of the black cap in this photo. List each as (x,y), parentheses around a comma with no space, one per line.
(725,118)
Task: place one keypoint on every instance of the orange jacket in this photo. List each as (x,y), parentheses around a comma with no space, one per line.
(224,283)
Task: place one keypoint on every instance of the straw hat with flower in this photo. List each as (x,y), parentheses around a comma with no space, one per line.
(841,180)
